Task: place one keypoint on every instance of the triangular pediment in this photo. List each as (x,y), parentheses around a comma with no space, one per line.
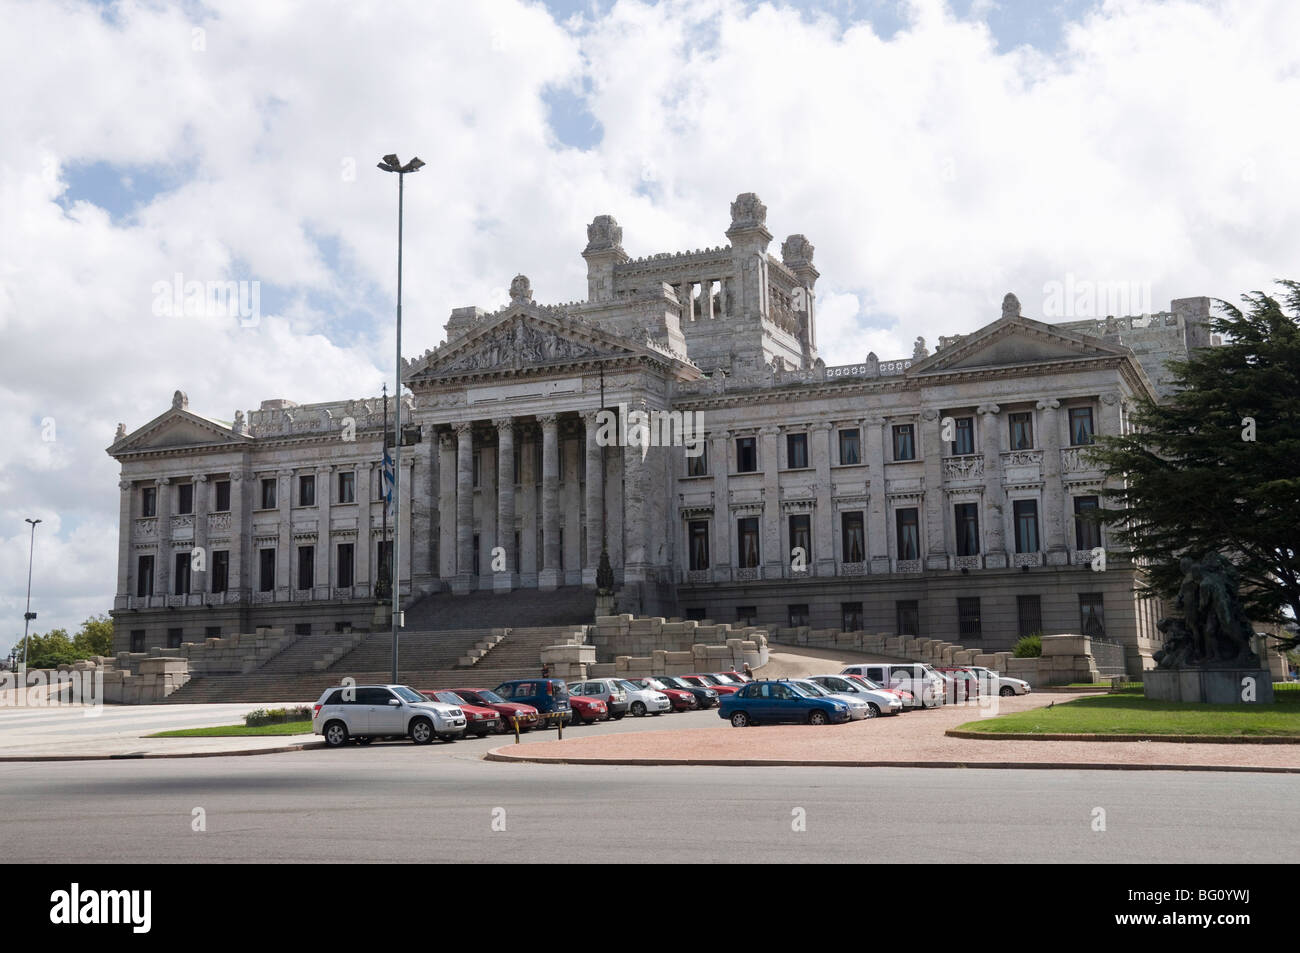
(523,338)
(1014,341)
(176,429)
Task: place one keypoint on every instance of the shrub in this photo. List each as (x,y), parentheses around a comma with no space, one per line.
(1031,646)
(276,716)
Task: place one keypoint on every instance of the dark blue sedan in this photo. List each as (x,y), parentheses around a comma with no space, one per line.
(769,702)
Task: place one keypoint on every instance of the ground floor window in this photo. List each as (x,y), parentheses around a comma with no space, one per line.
(302,628)
(1029,615)
(697,613)
(137,640)
(800,541)
(220,570)
(212,632)
(1092,614)
(850,616)
(174,637)
(968,617)
(798,614)
(907,616)
(745,615)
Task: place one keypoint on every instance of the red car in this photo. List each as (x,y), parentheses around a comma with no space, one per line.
(735,676)
(682,700)
(708,681)
(905,697)
(587,710)
(526,714)
(479,720)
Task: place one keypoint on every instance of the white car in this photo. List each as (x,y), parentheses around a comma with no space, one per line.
(859,707)
(643,701)
(365,712)
(882,702)
(1005,683)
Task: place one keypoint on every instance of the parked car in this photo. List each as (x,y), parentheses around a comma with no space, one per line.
(963,685)
(707,681)
(879,702)
(479,720)
(927,686)
(704,697)
(508,710)
(365,712)
(645,701)
(587,710)
(1006,685)
(550,696)
(858,707)
(903,696)
(681,699)
(608,690)
(767,701)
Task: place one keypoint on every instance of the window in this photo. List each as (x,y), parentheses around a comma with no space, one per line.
(966,517)
(266,581)
(185,498)
(345,565)
(963,437)
(268,494)
(907,617)
(698,465)
(696,613)
(1087,531)
(223,496)
(474,558)
(850,447)
(347,487)
(384,557)
(801,539)
(745,615)
(796,451)
(220,570)
(1092,615)
(1029,615)
(307,490)
(174,637)
(747,538)
(909,533)
(181,578)
(1022,431)
(1080,426)
(302,628)
(1026,516)
(144,576)
(746,454)
(478,469)
(968,617)
(850,616)
(904,442)
(148,501)
(212,632)
(306,567)
(798,615)
(137,640)
(852,537)
(698,531)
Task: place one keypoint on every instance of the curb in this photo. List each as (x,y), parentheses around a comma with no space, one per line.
(999,765)
(143,755)
(1177,739)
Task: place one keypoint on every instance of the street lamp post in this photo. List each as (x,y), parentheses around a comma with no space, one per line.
(391,163)
(28,615)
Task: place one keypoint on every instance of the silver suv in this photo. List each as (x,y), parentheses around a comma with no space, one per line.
(365,712)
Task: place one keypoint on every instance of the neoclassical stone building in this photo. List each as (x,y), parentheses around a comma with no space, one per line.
(945,494)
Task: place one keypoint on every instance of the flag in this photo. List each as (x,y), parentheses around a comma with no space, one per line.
(389,477)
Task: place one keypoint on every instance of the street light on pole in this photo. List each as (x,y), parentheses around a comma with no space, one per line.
(28,615)
(391,163)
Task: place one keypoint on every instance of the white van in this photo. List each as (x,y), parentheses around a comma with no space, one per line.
(926,685)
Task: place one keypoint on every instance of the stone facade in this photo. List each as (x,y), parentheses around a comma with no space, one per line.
(934,495)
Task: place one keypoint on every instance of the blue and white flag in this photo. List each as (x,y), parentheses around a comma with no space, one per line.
(389,478)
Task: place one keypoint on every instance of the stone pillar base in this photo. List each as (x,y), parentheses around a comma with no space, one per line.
(1221,686)
(604,604)
(464,584)
(995,559)
(549,579)
(504,582)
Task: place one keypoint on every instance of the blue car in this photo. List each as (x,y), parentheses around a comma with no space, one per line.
(550,696)
(767,702)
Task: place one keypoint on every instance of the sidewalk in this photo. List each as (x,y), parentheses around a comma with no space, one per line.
(914,739)
(69,733)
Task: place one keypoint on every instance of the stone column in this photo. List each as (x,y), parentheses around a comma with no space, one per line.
(365,539)
(446,506)
(636,510)
(464,507)
(199,579)
(936,548)
(549,578)
(775,558)
(423,513)
(125,569)
(995,496)
(1056,552)
(822,559)
(878,529)
(505,581)
(241,484)
(529,557)
(720,464)
(594,501)
(162,569)
(324,550)
(571,469)
(284,556)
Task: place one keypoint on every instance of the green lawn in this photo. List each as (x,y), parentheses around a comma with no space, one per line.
(235,731)
(1130,713)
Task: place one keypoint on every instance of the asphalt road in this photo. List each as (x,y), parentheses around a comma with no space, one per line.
(441,803)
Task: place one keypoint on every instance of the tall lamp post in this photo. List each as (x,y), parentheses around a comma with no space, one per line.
(391,163)
(28,615)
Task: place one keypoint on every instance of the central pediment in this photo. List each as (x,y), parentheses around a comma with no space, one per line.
(177,429)
(1014,341)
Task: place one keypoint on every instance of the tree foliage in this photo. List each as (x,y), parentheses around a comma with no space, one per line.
(1217,465)
(56,647)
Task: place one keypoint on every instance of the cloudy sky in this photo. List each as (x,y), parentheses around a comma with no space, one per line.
(937,154)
